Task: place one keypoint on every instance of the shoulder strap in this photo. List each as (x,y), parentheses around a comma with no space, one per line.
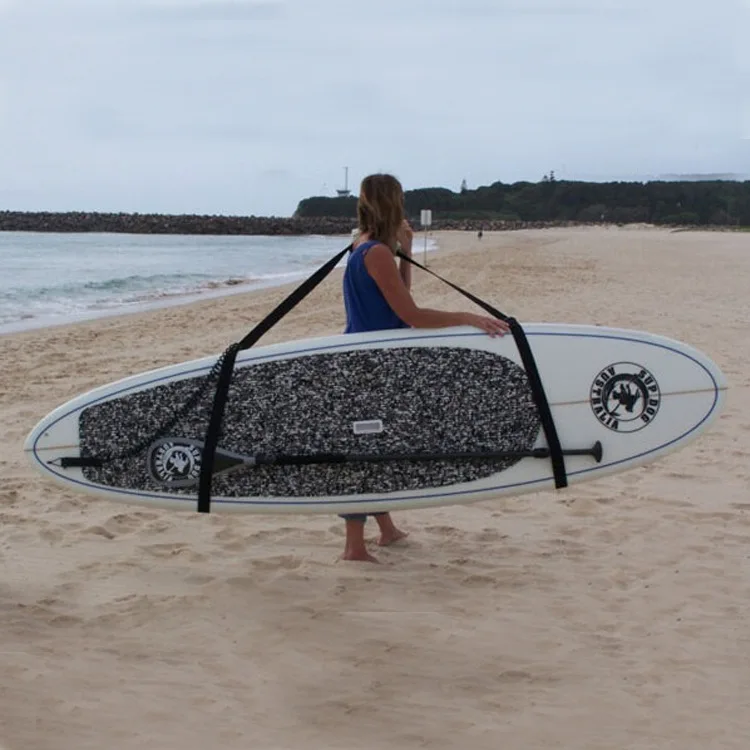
(532,371)
(227,365)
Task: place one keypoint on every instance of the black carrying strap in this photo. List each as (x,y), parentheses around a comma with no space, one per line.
(532,371)
(225,374)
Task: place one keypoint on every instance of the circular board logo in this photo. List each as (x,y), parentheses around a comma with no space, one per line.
(625,397)
(174,463)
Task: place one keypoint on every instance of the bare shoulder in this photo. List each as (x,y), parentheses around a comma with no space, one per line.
(378,254)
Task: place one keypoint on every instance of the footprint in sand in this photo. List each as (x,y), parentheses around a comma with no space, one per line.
(10,493)
(483,580)
(199,579)
(69,504)
(51,611)
(286,532)
(277,562)
(126,523)
(99,531)
(123,523)
(175,549)
(52,535)
(490,535)
(563,548)
(230,541)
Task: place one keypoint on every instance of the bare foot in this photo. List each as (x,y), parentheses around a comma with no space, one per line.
(388,531)
(391,536)
(359,556)
(354,547)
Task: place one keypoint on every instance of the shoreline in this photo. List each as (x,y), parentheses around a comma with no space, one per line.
(162,302)
(215,289)
(211,291)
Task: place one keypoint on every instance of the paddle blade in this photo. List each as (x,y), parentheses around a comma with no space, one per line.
(176,462)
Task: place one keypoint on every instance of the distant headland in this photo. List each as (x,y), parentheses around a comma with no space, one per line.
(687,202)
(521,205)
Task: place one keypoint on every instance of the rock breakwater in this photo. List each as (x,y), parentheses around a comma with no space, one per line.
(75,221)
(17,221)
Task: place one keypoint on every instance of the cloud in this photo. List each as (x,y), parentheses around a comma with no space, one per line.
(155,105)
(210,10)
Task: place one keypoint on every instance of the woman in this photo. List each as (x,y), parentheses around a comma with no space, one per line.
(377,296)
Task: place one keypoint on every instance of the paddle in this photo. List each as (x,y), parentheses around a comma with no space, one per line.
(176,461)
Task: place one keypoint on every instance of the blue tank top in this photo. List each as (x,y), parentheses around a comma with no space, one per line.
(366,307)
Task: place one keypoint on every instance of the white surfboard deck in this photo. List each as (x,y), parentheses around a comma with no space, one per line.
(675,393)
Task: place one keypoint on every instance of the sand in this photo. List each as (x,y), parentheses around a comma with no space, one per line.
(613,615)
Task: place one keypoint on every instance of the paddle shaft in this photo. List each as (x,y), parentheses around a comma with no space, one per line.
(224,460)
(344,458)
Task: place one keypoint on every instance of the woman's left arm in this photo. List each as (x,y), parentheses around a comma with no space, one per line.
(405,237)
(404,268)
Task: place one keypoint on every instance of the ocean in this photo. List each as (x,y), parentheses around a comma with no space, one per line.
(48,278)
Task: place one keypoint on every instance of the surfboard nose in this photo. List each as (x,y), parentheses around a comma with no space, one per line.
(722,383)
(36,432)
(42,437)
(714,373)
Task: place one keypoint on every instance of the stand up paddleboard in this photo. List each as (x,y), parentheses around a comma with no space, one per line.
(384,421)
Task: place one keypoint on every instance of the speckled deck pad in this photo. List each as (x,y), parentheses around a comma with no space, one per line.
(435,399)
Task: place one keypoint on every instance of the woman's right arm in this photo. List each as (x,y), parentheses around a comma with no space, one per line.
(382,269)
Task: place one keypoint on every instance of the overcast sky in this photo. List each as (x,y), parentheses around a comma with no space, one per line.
(247,106)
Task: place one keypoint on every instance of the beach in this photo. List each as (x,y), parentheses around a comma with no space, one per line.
(608,616)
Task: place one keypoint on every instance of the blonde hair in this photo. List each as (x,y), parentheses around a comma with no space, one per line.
(380,209)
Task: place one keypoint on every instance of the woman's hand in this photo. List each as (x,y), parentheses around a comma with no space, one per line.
(405,237)
(493,326)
